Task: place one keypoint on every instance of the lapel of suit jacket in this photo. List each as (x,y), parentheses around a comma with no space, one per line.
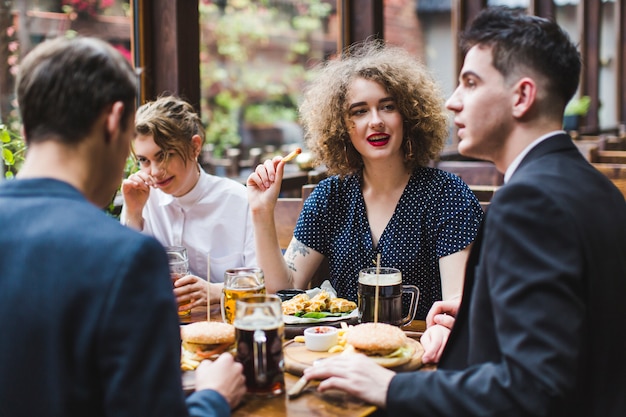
(454,355)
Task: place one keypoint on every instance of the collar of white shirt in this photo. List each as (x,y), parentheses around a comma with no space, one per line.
(191,197)
(518,159)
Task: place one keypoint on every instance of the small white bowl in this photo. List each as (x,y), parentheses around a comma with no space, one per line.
(320,338)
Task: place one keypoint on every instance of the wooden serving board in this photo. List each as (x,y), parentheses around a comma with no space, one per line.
(298,357)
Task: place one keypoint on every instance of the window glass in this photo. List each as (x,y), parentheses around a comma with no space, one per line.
(25,23)
(254,57)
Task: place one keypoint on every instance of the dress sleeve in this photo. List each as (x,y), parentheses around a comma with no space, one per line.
(313,223)
(460,216)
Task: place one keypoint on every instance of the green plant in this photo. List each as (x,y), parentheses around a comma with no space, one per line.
(578,106)
(268,113)
(13,150)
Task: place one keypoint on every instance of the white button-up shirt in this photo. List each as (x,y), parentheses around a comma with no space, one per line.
(212,219)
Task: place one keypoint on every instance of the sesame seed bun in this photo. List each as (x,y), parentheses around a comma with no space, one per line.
(378,337)
(208,332)
(387,345)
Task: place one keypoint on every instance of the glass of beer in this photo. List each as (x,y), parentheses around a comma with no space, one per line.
(239,282)
(179,267)
(390,290)
(259,333)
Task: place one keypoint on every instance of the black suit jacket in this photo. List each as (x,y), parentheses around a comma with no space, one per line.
(541,329)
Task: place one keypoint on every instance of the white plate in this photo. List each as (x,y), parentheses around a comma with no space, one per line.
(302,320)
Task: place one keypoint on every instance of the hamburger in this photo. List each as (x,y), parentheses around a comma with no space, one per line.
(387,345)
(205,340)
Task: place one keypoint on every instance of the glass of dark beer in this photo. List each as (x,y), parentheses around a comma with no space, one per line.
(390,289)
(259,332)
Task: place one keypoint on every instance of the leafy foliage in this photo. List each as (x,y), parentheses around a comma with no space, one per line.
(240,84)
(13,150)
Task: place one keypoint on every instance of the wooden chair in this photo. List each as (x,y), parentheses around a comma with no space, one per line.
(473,172)
(483,193)
(598,156)
(616,173)
(286,216)
(615,143)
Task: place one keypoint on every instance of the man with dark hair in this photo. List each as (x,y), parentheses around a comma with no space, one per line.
(540,329)
(89,322)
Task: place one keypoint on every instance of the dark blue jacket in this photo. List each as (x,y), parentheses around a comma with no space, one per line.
(88,319)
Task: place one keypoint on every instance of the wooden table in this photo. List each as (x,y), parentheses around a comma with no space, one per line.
(310,402)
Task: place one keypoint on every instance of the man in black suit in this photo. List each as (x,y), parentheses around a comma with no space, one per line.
(541,328)
(88,317)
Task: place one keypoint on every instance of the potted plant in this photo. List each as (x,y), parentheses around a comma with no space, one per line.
(575,109)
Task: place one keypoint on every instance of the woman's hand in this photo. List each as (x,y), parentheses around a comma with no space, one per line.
(264,184)
(136,190)
(191,291)
(434,341)
(439,323)
(443,313)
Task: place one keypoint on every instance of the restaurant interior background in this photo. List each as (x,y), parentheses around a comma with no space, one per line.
(243,66)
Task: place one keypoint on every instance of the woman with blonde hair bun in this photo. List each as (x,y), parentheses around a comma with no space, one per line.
(173,199)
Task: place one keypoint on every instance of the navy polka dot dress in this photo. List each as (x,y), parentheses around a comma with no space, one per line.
(437,215)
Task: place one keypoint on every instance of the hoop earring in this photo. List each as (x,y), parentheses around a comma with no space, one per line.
(409,154)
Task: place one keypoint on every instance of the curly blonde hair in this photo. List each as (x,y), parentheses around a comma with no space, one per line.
(405,78)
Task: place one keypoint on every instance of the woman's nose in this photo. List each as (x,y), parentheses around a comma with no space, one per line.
(156,169)
(376,121)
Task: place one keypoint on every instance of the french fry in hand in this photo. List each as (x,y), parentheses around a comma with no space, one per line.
(292,154)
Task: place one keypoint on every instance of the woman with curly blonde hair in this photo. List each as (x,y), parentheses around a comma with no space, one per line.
(375,118)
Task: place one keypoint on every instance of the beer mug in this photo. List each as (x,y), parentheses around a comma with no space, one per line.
(179,267)
(390,290)
(239,282)
(259,332)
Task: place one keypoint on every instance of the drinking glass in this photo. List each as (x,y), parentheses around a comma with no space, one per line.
(239,282)
(259,330)
(390,290)
(179,267)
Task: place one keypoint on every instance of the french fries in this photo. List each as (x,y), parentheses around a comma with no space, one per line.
(341,340)
(292,154)
(187,363)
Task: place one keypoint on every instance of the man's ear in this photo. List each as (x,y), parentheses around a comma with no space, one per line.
(525,95)
(114,120)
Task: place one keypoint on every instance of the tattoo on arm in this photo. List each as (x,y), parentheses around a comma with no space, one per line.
(294,250)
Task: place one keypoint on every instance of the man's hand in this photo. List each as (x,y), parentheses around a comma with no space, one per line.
(225,376)
(355,374)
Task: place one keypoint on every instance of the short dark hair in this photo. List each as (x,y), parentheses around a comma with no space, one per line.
(63,85)
(519,40)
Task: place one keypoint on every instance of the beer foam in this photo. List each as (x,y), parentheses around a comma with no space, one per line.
(383,279)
